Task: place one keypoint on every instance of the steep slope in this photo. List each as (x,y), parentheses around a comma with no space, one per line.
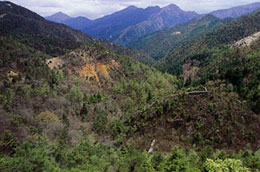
(131,23)
(236,11)
(167,16)
(34,31)
(203,46)
(215,56)
(50,38)
(160,43)
(86,88)
(89,109)
(240,67)
(108,27)
(78,23)
(197,119)
(138,55)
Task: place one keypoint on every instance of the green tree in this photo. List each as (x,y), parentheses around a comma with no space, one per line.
(75,95)
(227,165)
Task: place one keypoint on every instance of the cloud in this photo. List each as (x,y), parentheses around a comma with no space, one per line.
(98,8)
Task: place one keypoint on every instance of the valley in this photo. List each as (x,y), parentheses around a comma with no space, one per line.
(167,90)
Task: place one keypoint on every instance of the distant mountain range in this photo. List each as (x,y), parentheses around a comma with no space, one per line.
(236,11)
(78,23)
(140,22)
(128,25)
(59,17)
(158,44)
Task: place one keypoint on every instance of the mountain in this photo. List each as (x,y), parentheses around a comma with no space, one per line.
(78,23)
(75,105)
(216,48)
(138,55)
(160,43)
(236,11)
(109,26)
(65,83)
(117,29)
(140,22)
(168,16)
(58,17)
(50,38)
(227,34)
(34,31)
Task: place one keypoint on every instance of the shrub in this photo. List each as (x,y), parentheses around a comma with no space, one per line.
(48,117)
(227,165)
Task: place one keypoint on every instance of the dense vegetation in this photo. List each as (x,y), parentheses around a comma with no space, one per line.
(92,109)
(162,42)
(213,55)
(202,47)
(89,156)
(239,67)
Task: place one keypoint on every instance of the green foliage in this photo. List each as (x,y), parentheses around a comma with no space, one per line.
(178,161)
(106,109)
(100,122)
(84,156)
(227,165)
(160,43)
(203,46)
(6,98)
(30,157)
(75,95)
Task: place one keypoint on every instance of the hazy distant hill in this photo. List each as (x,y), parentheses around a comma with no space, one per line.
(131,23)
(128,25)
(59,17)
(78,23)
(236,11)
(110,26)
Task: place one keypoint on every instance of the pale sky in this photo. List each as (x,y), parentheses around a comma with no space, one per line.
(93,9)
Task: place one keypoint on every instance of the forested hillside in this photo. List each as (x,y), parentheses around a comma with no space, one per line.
(165,41)
(207,51)
(69,102)
(202,46)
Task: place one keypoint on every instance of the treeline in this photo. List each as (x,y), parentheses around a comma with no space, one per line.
(87,156)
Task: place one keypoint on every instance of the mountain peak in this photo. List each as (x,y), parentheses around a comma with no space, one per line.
(172,7)
(131,7)
(58,17)
(61,13)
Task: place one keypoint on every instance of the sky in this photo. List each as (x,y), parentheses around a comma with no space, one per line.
(93,9)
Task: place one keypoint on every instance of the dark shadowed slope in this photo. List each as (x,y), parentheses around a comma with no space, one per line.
(33,30)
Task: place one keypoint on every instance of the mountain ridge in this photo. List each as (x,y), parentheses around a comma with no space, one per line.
(160,43)
(152,19)
(58,17)
(237,11)
(68,103)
